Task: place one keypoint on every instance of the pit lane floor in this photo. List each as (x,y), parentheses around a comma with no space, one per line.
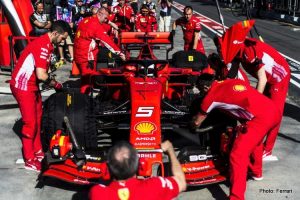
(281,178)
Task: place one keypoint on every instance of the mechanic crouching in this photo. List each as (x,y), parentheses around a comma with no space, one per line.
(123,163)
(32,68)
(257,114)
(90,32)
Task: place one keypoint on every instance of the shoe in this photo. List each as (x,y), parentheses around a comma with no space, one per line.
(39,155)
(33,165)
(257,178)
(267,156)
(267,153)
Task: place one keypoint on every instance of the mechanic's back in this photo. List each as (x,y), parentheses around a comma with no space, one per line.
(123,165)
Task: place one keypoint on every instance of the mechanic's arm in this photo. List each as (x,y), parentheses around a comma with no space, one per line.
(113,25)
(178,174)
(198,119)
(43,76)
(108,43)
(196,39)
(262,80)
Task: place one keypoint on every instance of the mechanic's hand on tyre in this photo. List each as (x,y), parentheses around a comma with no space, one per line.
(57,86)
(194,124)
(122,56)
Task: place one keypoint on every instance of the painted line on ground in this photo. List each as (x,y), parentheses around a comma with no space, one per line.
(217,29)
(7,91)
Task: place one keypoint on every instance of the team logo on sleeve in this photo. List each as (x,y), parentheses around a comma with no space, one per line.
(239,88)
(123,193)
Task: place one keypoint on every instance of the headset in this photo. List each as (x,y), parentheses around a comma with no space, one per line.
(36,4)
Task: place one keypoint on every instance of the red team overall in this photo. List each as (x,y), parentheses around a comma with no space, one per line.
(191,28)
(273,73)
(145,22)
(256,112)
(90,31)
(31,69)
(123,165)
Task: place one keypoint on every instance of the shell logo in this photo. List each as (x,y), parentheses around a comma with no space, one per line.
(239,88)
(145,127)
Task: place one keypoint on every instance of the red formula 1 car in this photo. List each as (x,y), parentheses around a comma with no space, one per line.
(144,100)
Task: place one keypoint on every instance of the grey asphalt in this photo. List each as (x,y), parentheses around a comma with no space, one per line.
(16,183)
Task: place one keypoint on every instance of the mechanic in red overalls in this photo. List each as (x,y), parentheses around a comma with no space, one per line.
(31,69)
(89,32)
(258,116)
(273,73)
(145,22)
(191,28)
(123,162)
(124,16)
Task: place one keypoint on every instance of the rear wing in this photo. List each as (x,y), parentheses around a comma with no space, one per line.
(146,40)
(146,37)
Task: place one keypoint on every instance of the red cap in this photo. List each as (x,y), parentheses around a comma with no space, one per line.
(208,70)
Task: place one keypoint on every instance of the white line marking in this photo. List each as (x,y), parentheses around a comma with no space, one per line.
(6,90)
(295,83)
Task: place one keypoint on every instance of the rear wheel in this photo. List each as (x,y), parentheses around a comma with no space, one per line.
(189,59)
(78,108)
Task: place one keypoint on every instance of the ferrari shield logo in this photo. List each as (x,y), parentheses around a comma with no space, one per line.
(239,88)
(145,128)
(191,58)
(123,194)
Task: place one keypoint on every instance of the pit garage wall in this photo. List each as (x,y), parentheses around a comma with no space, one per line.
(14,20)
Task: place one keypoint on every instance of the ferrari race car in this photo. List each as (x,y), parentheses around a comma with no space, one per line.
(144,100)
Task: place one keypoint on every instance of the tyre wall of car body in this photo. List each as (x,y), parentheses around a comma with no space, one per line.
(78,108)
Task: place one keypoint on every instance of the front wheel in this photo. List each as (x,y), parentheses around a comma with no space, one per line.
(78,108)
